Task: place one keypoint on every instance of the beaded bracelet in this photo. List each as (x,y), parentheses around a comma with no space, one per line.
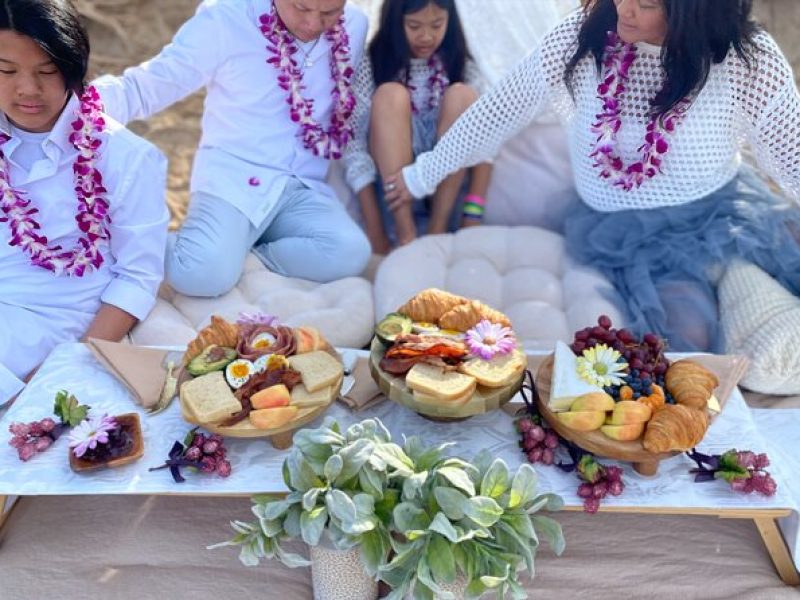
(474,206)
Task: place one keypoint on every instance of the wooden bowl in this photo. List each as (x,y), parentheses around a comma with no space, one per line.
(596,442)
(483,400)
(280,437)
(129,421)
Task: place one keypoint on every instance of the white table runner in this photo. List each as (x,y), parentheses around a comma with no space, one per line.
(257,465)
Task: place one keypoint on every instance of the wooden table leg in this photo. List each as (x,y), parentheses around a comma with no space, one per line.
(776,546)
(5,511)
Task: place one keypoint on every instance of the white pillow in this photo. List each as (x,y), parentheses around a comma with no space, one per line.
(761,320)
(521,271)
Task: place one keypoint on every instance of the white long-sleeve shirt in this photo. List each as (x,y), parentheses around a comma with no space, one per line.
(247,134)
(736,106)
(360,169)
(39,309)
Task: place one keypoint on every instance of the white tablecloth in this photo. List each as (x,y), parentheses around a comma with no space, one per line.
(256,464)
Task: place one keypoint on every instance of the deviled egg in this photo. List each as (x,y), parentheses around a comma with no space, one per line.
(261,363)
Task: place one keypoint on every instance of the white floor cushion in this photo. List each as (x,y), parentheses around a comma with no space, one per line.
(522,271)
(342,309)
(761,320)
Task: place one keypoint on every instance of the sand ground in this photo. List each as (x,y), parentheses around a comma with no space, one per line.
(126,32)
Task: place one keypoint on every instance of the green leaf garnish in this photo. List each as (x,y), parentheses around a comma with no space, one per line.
(68,409)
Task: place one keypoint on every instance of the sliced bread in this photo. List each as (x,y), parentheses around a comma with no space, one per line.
(435,381)
(318,369)
(209,399)
(433,400)
(499,371)
(303,398)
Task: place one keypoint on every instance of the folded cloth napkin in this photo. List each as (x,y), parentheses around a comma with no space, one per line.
(728,368)
(140,370)
(365,392)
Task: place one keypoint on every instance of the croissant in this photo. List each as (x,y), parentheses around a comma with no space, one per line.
(429,305)
(690,383)
(469,314)
(675,427)
(219,332)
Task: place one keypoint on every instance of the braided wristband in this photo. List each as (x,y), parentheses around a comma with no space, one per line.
(474,206)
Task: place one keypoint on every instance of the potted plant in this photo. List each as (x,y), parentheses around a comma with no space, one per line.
(463,529)
(343,488)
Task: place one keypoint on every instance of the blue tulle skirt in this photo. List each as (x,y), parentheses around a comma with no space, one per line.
(665,263)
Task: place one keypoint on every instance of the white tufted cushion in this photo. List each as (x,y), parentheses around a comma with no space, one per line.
(342,309)
(761,320)
(522,271)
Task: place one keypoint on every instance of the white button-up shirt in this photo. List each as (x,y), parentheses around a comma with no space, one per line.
(248,136)
(39,309)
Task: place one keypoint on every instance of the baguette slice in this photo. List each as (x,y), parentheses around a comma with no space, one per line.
(435,381)
(318,369)
(501,370)
(209,399)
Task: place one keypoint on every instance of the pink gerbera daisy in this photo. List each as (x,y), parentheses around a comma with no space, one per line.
(488,339)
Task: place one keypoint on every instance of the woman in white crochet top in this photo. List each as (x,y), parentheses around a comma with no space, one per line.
(657,98)
(411,87)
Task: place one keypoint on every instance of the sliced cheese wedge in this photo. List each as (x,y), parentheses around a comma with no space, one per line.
(566,385)
(713,405)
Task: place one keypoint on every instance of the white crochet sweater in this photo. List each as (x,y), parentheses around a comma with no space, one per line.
(736,105)
(359,167)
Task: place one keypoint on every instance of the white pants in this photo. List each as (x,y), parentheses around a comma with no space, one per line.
(308,235)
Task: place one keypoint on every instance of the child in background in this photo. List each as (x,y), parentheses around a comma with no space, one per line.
(83,216)
(409,91)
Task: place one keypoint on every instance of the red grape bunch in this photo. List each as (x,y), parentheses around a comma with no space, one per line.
(31,438)
(647,363)
(206,453)
(210,452)
(598,482)
(538,443)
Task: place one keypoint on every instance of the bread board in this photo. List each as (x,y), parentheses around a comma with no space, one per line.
(280,437)
(596,442)
(394,387)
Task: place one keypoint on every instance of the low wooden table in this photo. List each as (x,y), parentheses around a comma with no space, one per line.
(671,492)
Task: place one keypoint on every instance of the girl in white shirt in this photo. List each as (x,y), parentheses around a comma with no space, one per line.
(410,89)
(657,97)
(83,218)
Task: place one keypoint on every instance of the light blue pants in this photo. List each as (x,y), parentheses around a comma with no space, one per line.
(309,235)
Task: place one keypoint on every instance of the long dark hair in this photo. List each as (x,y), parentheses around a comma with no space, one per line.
(55,26)
(699,33)
(389,51)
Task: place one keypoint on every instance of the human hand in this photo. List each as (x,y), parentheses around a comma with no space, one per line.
(396,193)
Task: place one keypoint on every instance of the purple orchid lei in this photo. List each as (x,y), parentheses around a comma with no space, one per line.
(92,217)
(617,61)
(328,143)
(437,83)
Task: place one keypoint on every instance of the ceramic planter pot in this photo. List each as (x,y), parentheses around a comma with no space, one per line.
(340,575)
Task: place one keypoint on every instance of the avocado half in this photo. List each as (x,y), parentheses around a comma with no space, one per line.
(212,358)
(391,326)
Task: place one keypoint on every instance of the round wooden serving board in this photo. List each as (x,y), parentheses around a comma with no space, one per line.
(596,442)
(281,437)
(483,400)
